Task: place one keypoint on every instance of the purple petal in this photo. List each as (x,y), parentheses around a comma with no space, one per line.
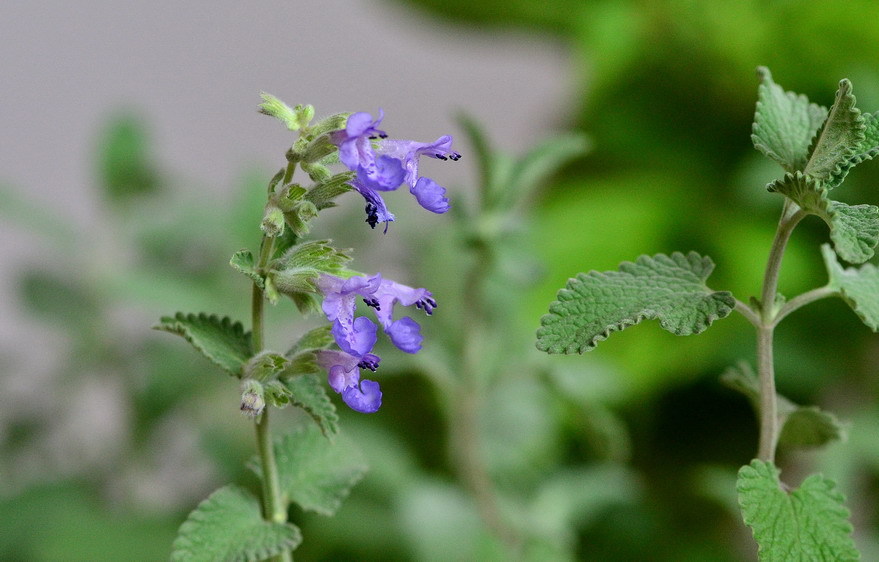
(366,399)
(383,174)
(405,333)
(339,378)
(390,292)
(357,339)
(430,195)
(376,211)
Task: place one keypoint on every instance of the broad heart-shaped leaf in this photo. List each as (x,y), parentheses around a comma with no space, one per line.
(854,230)
(671,288)
(801,426)
(228,525)
(784,123)
(222,341)
(839,137)
(242,260)
(809,523)
(315,473)
(309,393)
(867,150)
(858,287)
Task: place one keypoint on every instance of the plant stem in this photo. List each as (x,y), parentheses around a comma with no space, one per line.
(273,504)
(791,214)
(467,400)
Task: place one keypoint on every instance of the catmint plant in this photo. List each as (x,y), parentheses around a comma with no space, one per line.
(816,147)
(304,467)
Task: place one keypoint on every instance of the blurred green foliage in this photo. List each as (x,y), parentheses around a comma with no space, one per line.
(640,429)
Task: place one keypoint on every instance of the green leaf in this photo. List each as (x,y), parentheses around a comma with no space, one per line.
(125,159)
(801,426)
(784,123)
(670,288)
(810,426)
(539,164)
(854,230)
(839,137)
(809,523)
(858,287)
(866,150)
(228,525)
(222,341)
(309,393)
(243,261)
(313,472)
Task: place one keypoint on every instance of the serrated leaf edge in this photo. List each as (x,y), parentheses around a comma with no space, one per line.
(691,257)
(171,324)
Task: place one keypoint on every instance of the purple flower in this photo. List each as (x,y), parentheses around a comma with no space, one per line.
(357,336)
(343,376)
(387,164)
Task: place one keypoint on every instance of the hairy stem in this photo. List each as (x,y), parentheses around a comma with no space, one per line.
(791,214)
(273,504)
(802,300)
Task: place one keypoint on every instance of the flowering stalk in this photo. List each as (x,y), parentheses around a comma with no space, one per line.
(228,525)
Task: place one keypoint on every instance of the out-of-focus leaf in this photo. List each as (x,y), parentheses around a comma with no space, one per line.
(125,162)
(313,472)
(309,393)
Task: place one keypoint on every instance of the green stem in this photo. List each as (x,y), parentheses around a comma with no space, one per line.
(791,215)
(802,300)
(273,503)
(467,402)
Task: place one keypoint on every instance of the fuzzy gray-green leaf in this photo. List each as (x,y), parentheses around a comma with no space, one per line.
(784,123)
(838,138)
(858,287)
(222,341)
(866,150)
(670,288)
(313,472)
(809,523)
(228,525)
(854,229)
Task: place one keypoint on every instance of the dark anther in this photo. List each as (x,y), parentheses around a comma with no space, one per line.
(368,364)
(441,157)
(372,302)
(427,304)
(372,215)
(455,156)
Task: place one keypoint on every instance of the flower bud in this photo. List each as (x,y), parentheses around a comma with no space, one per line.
(294,118)
(252,401)
(272,220)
